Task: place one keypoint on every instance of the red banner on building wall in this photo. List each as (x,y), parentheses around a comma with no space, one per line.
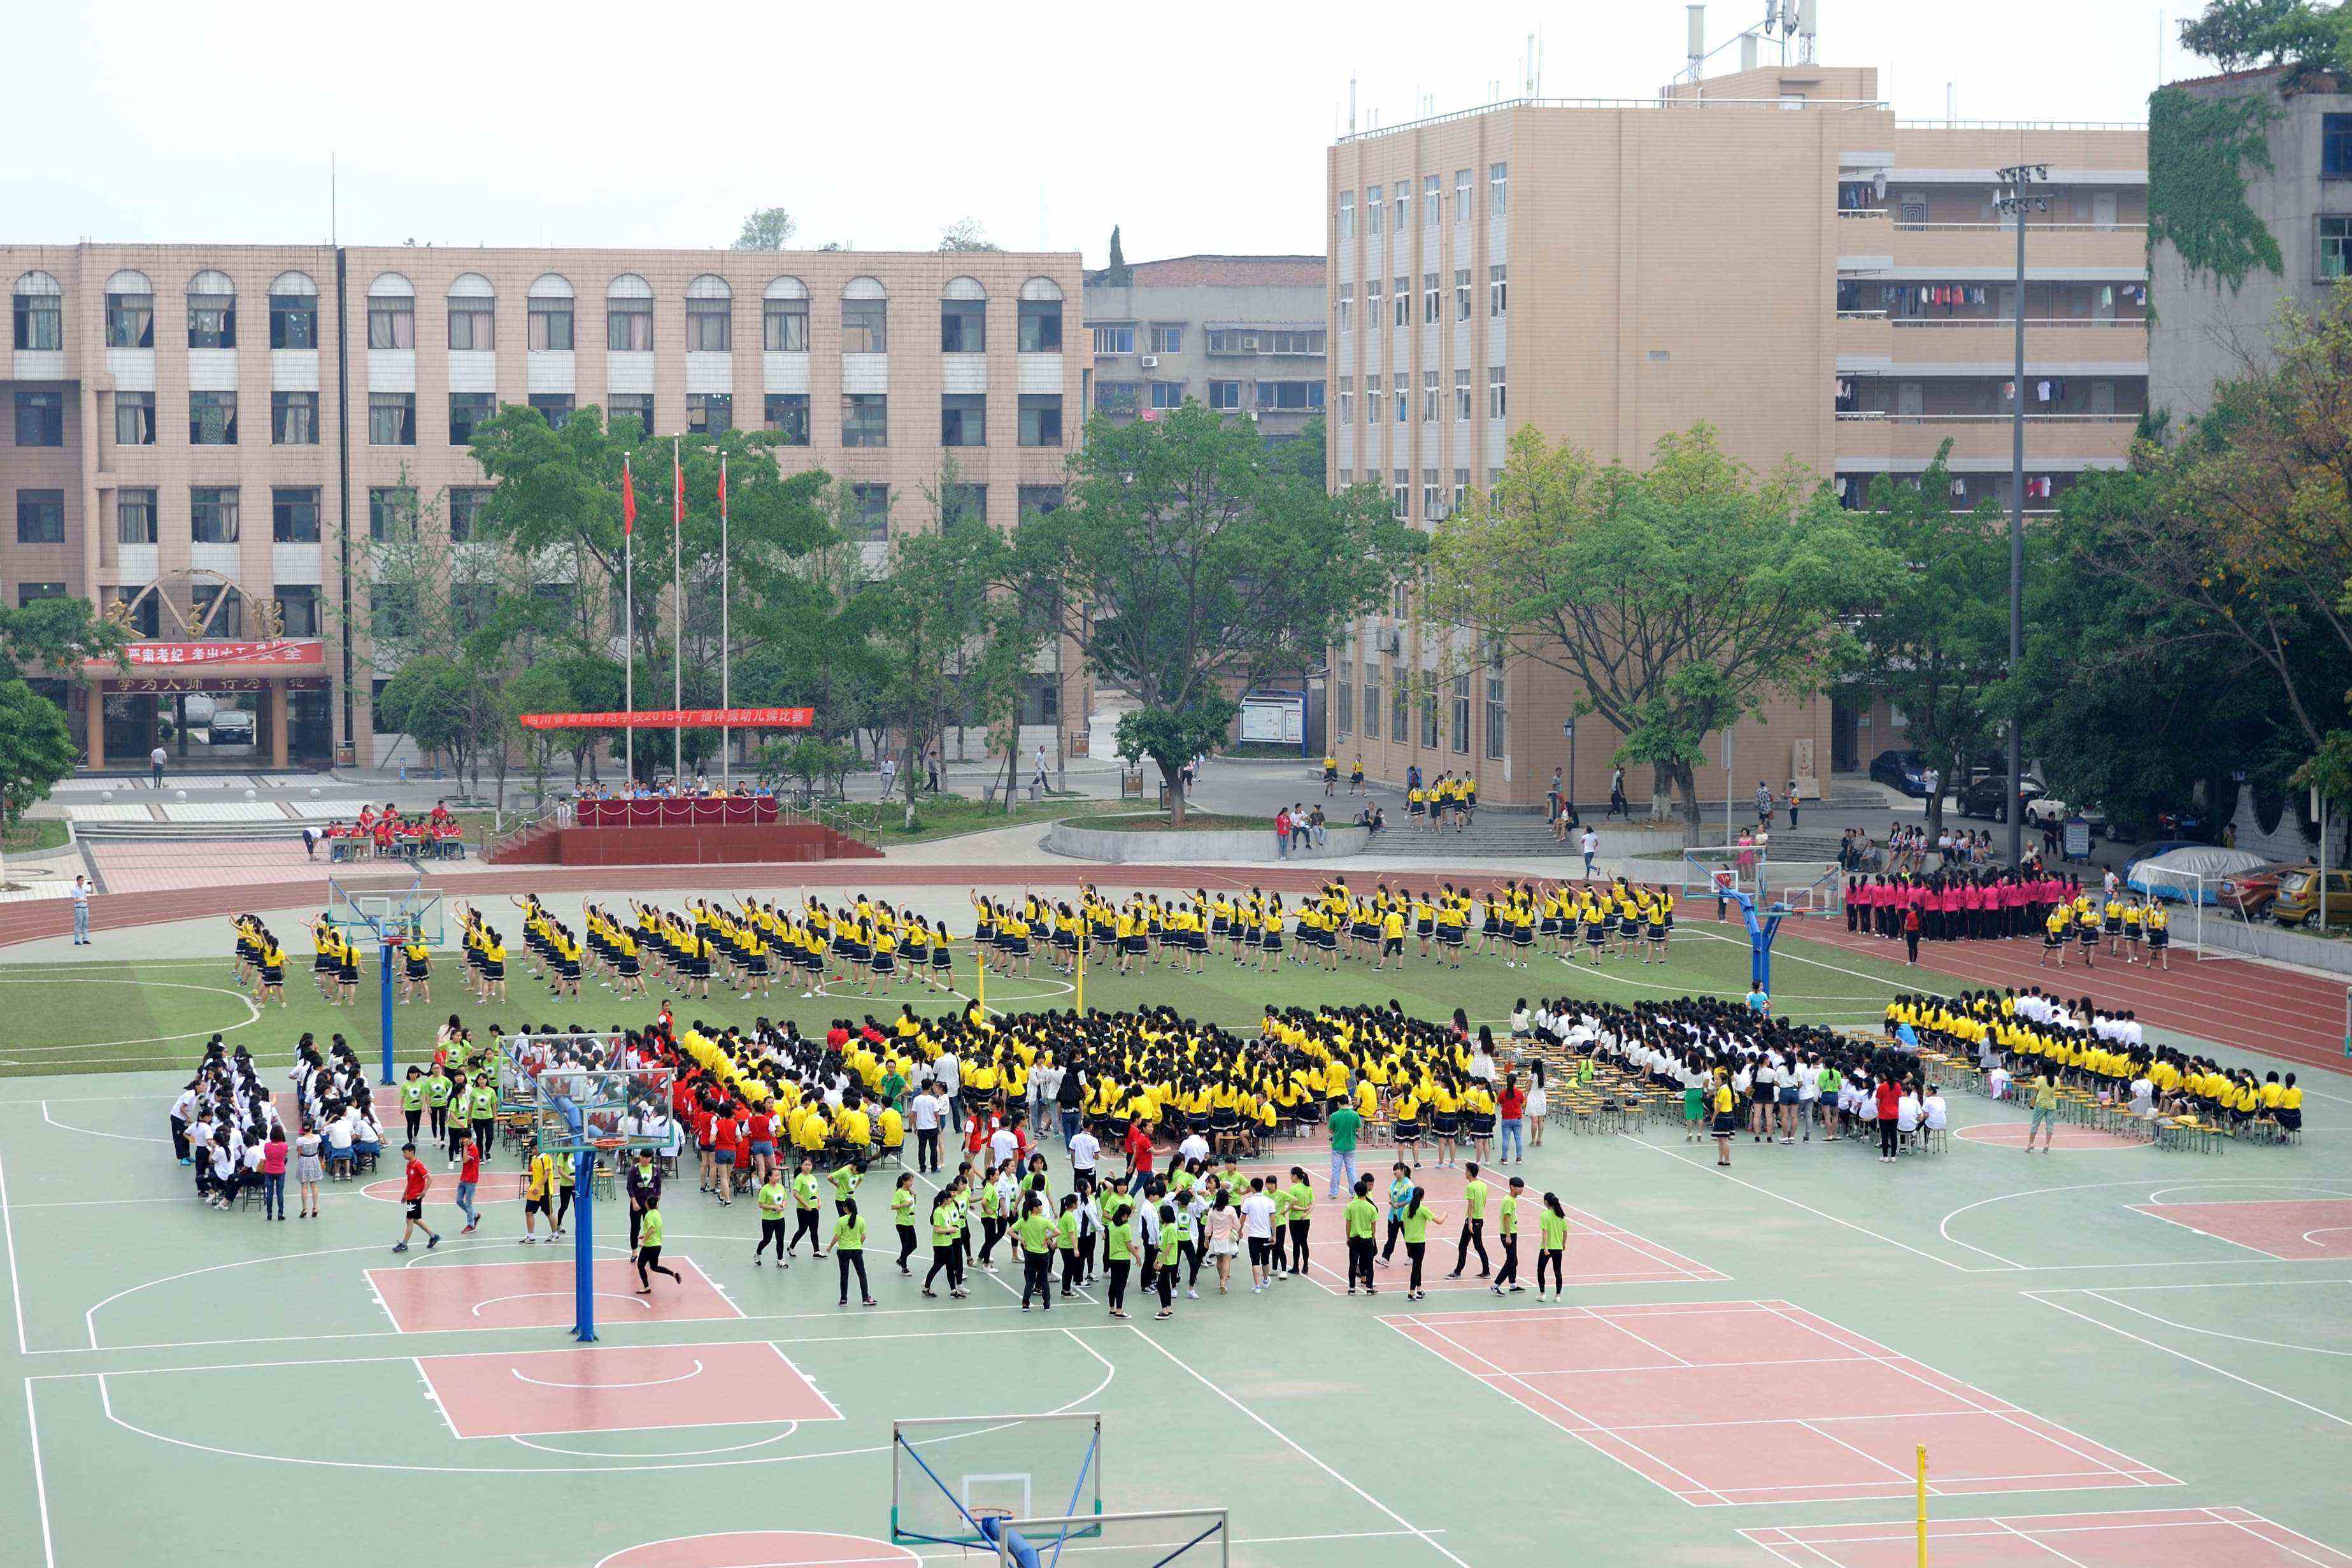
(281,651)
(677,719)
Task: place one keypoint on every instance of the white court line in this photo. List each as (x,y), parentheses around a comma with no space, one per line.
(40,1480)
(2037,1540)
(2214,1334)
(2184,1355)
(643,1382)
(1782,1197)
(1305,1453)
(789,1428)
(15,1286)
(2247,1527)
(94,1132)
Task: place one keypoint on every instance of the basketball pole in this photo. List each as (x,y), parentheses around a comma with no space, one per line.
(583,1245)
(1082,965)
(1923,1505)
(384,951)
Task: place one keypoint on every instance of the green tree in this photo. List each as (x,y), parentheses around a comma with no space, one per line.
(36,749)
(1194,564)
(1680,598)
(58,635)
(966,234)
(2239,35)
(540,689)
(767,228)
(438,701)
(1117,273)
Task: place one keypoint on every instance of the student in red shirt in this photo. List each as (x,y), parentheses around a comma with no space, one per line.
(726,1148)
(1890,1107)
(469,1173)
(1138,1149)
(411,1196)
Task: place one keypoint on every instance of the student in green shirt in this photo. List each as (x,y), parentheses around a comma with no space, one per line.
(771,1197)
(1171,1241)
(849,1250)
(1362,1219)
(649,1246)
(1473,1224)
(845,1178)
(1554,1252)
(1301,1193)
(1066,1242)
(1507,1276)
(947,1240)
(1119,1248)
(1033,1235)
(1418,1218)
(804,1191)
(902,1215)
(1343,1123)
(436,1102)
(412,1100)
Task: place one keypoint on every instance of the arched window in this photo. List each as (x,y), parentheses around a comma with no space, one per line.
(629,315)
(784,317)
(130,311)
(392,313)
(293,311)
(212,311)
(963,317)
(473,313)
(37,308)
(865,317)
(709,315)
(1041,317)
(551,313)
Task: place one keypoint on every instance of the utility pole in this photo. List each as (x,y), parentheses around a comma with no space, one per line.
(2017,204)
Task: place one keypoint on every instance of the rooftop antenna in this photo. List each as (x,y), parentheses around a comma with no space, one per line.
(332,192)
(1351,106)
(1528,68)
(1697,45)
(1951,104)
(1808,26)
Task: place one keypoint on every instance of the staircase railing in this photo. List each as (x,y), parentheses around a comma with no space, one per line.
(499,835)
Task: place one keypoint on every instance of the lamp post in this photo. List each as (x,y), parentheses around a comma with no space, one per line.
(1567,790)
(2013,200)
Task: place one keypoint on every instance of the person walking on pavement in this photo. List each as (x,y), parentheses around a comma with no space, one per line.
(157,758)
(1617,806)
(81,911)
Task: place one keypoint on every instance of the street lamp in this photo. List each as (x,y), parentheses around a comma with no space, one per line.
(2012,198)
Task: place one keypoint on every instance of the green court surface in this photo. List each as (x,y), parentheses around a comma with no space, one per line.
(1740,1375)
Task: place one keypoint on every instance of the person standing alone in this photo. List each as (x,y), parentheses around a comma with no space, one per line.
(81,911)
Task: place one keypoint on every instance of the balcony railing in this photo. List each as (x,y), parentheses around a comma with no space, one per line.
(1883,417)
(1907,227)
(2136,322)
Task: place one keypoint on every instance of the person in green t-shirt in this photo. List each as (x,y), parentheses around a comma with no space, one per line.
(1418,1218)
(1033,1235)
(1344,1123)
(902,1215)
(947,1240)
(436,1102)
(1066,1242)
(1554,1252)
(1473,1224)
(1301,1193)
(412,1100)
(649,1246)
(1172,1241)
(849,1250)
(1362,1219)
(771,1197)
(1118,1250)
(804,1191)
(1507,1276)
(845,1178)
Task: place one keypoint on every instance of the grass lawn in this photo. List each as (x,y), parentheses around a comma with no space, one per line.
(32,836)
(1194,822)
(951,816)
(121,1017)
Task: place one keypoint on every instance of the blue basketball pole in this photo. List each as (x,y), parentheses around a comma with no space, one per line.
(383,999)
(583,1245)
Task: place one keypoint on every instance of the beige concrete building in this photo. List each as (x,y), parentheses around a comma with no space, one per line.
(201,432)
(1772,252)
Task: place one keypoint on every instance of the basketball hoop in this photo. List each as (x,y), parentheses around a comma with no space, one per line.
(987,1524)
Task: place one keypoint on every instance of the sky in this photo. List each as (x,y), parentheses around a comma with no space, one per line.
(1196,128)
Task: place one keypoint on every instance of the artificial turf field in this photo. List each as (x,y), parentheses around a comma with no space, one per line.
(2115,1355)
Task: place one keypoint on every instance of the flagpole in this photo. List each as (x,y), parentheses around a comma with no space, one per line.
(677,608)
(726,737)
(629,615)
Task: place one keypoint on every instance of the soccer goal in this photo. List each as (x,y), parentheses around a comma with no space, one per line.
(1195,1538)
(2183,894)
(954,1480)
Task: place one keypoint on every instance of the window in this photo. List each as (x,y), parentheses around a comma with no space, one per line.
(1498,402)
(293,321)
(629,324)
(709,413)
(1036,500)
(1432,509)
(1372,210)
(468,410)
(467,505)
(2336,146)
(1225,397)
(1431,200)
(1429,297)
(1115,396)
(294,517)
(1429,718)
(1462,394)
(217,610)
(963,419)
(213,514)
(639,406)
(1118,340)
(40,517)
(710,325)
(293,418)
(869,512)
(134,517)
(212,320)
(549,325)
(39,316)
(784,326)
(1371,701)
(392,419)
(131,320)
(1429,397)
(1372,303)
(1346,214)
(864,326)
(1347,402)
(1372,400)
(1344,703)
(1401,492)
(961,506)
(40,419)
(1461,490)
(471,605)
(1040,327)
(391,322)
(963,326)
(1497,718)
(1289,396)
(1403,398)
(1402,292)
(865,419)
(212,418)
(1400,704)
(134,418)
(2334,251)
(788,413)
(1461,195)
(555,407)
(1460,716)
(1498,290)
(1401,198)
(298,608)
(34,593)
(1167,340)
(1498,190)
(1346,307)
(391,508)
(1167,395)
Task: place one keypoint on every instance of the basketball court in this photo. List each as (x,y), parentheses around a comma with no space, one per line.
(2304,1229)
(2155,1538)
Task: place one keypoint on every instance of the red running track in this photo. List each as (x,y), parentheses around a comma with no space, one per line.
(2295,1016)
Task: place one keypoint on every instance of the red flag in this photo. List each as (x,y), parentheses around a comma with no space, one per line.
(722,487)
(677,488)
(628,500)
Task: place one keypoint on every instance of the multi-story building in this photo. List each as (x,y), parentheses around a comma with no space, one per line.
(1243,334)
(165,400)
(1771,252)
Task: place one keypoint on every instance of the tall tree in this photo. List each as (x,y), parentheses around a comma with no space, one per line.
(1680,598)
(1117,273)
(36,749)
(767,228)
(966,234)
(1195,564)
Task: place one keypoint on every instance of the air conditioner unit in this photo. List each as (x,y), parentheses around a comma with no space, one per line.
(1392,640)
(1152,362)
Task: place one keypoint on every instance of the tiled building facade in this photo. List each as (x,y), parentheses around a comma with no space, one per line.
(1244,334)
(1781,259)
(199,430)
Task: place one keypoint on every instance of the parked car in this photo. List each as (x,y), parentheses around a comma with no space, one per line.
(1905,771)
(2250,894)
(2050,811)
(2298,897)
(2188,873)
(1989,796)
(2193,823)
(232,726)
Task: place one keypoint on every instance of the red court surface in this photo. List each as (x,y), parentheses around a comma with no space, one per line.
(1663,1389)
(764,1548)
(2065,1139)
(432,1299)
(2152,1538)
(620,1389)
(2288,1227)
(1599,1253)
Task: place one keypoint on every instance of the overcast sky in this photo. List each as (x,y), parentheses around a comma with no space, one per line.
(1198,128)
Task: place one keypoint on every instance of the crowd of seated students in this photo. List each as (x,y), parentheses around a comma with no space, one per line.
(229,1130)
(390,834)
(2013,1035)
(696,788)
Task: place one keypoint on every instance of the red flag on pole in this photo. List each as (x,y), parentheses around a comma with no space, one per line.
(677,488)
(628,498)
(722,488)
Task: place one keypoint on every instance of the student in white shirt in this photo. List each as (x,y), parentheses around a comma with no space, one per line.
(1257,1229)
(1933,1113)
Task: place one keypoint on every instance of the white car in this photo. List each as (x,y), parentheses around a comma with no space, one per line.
(2046,811)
